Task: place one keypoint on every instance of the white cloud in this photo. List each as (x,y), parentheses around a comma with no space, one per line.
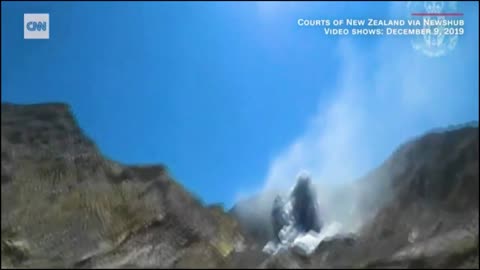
(325,148)
(389,92)
(383,97)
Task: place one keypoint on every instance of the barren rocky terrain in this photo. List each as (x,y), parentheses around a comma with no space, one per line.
(63,204)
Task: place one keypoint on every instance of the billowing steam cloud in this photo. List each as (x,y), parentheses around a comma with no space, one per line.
(384,96)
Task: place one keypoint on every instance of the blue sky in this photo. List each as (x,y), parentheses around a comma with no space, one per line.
(235,97)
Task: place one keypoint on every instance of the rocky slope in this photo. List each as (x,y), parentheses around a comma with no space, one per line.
(419,208)
(63,204)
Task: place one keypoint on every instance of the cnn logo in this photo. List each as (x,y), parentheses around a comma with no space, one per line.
(36,26)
